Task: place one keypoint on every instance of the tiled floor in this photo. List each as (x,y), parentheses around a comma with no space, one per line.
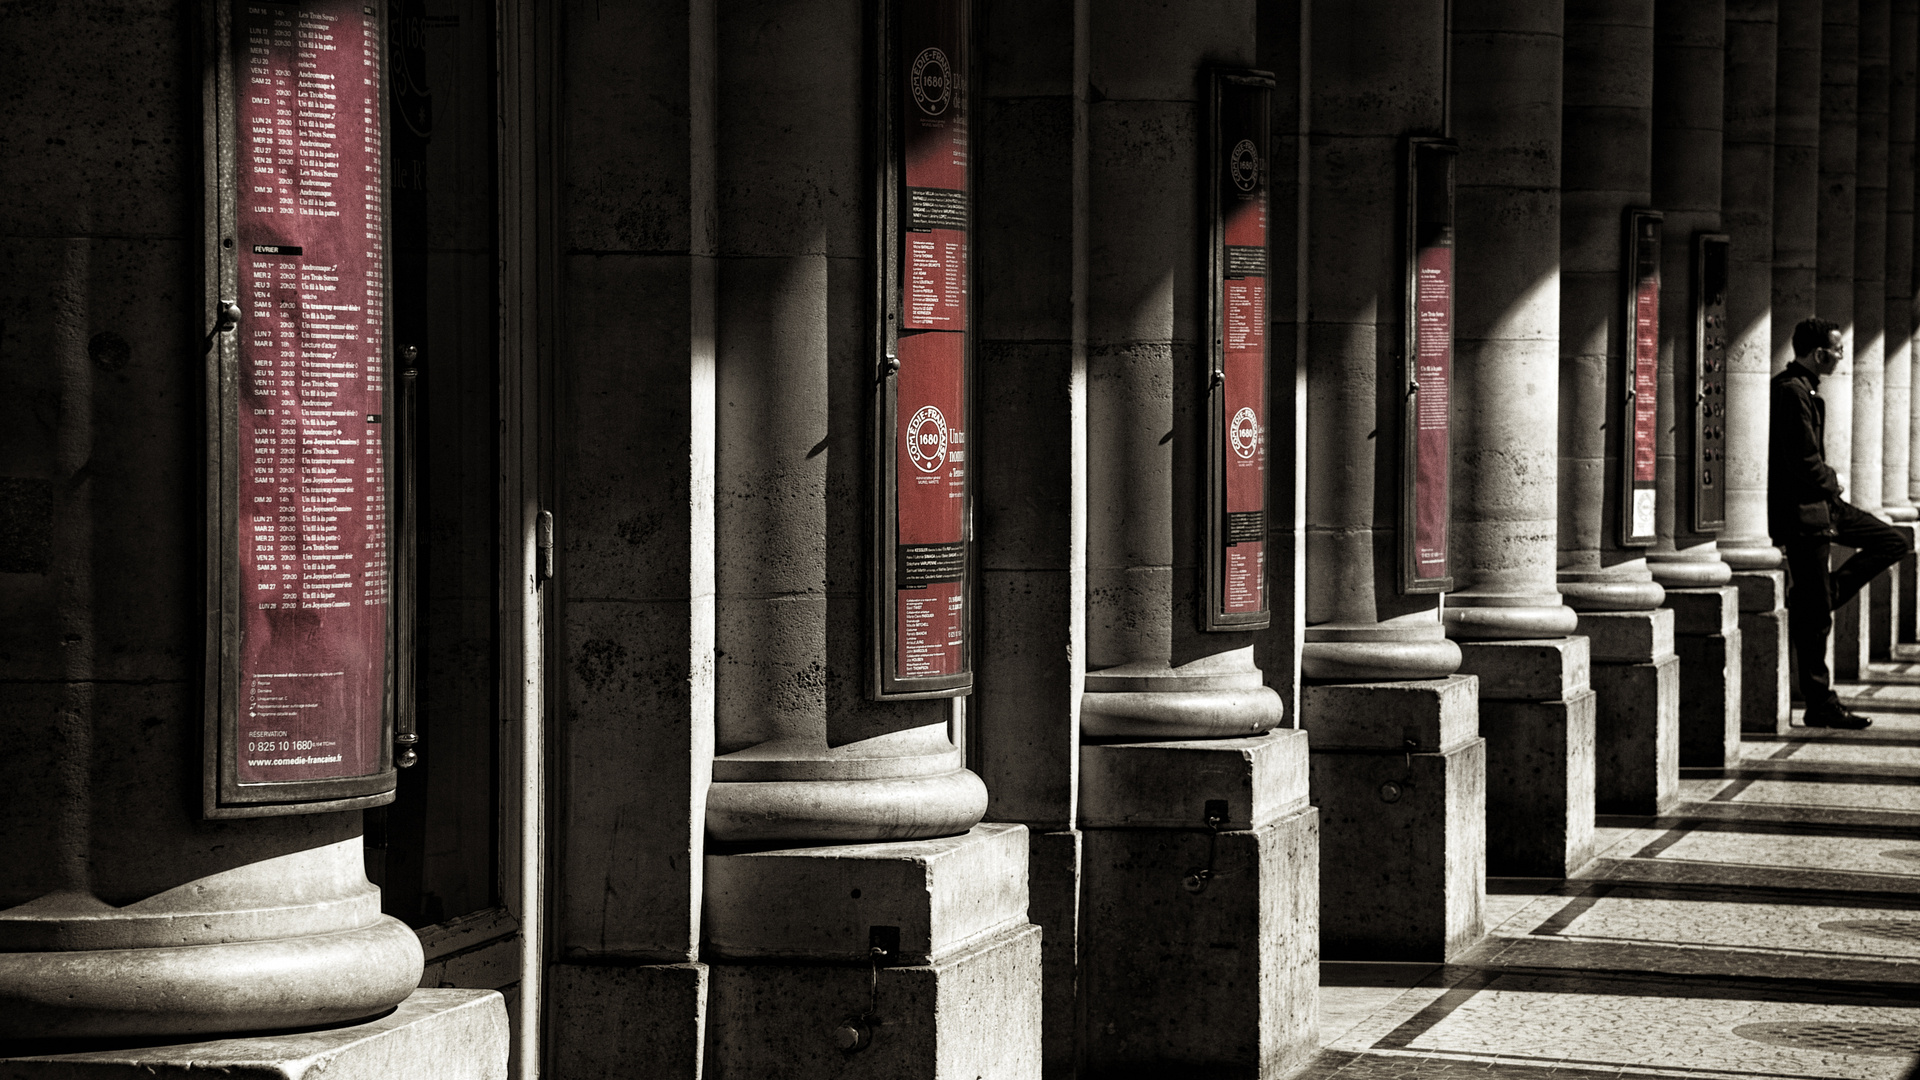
(1769,927)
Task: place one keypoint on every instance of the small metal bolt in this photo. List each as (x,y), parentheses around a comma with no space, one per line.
(1390,792)
(1196,882)
(853,1035)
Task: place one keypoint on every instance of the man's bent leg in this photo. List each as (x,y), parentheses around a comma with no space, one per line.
(1809,618)
(1877,545)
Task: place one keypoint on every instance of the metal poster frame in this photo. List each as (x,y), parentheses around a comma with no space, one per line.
(1428,229)
(1707,435)
(1242,159)
(223,793)
(1639,356)
(904,72)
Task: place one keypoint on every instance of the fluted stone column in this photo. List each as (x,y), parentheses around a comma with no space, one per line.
(1746,215)
(1536,705)
(1380,673)
(1835,295)
(1607,148)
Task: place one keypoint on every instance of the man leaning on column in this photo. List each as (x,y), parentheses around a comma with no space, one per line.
(1806,514)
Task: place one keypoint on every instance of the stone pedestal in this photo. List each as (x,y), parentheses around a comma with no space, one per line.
(1906,629)
(1883,613)
(1636,683)
(1398,771)
(1852,633)
(910,958)
(1201,896)
(1766,699)
(1537,717)
(432,1035)
(1707,639)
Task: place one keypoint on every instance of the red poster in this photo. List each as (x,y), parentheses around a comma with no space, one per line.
(1243,313)
(313,493)
(1433,374)
(930,436)
(1646,360)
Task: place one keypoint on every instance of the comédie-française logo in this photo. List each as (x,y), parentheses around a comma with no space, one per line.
(932,81)
(1244,165)
(1244,432)
(927,439)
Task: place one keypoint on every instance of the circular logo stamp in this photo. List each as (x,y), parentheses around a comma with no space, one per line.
(932,81)
(927,439)
(1244,165)
(1244,432)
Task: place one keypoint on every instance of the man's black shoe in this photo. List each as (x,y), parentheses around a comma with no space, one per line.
(1834,715)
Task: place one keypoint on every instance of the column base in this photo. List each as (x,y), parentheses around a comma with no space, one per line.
(971,1013)
(1054,862)
(905,785)
(1766,701)
(432,1035)
(1398,771)
(1217,697)
(956,990)
(1199,955)
(1707,638)
(1887,610)
(1636,682)
(1537,716)
(1852,631)
(1906,625)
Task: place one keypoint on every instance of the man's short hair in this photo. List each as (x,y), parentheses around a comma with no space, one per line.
(1812,333)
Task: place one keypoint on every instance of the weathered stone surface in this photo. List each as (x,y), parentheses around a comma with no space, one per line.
(1710,670)
(605,1017)
(1218,977)
(1171,784)
(1628,637)
(1540,785)
(1705,611)
(432,1035)
(1426,715)
(1403,852)
(1053,904)
(1761,590)
(823,903)
(1766,703)
(1545,670)
(1637,737)
(972,1014)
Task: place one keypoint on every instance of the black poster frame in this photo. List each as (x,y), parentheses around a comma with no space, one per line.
(1213,562)
(1707,434)
(223,795)
(887,93)
(1428,176)
(1640,262)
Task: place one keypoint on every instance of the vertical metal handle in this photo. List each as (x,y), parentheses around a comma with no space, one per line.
(406,731)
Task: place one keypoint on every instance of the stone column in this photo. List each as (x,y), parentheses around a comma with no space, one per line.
(1688,113)
(123,911)
(1031,408)
(1746,216)
(1537,706)
(1895,499)
(1896,502)
(815,785)
(635,603)
(1839,178)
(1382,704)
(1606,135)
(1875,603)
(1796,171)
(1184,769)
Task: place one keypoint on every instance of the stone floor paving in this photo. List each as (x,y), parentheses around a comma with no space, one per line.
(1768,927)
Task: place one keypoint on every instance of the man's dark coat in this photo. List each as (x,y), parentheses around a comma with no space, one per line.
(1800,484)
